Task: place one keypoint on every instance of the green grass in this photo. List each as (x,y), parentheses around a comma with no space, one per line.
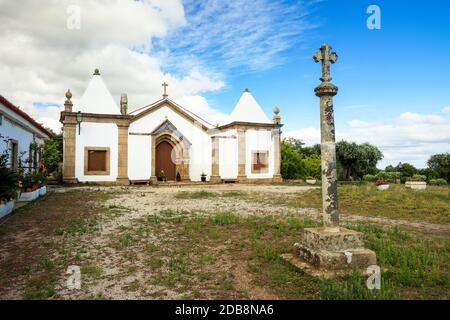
(195,195)
(41,287)
(91,271)
(432,204)
(224,218)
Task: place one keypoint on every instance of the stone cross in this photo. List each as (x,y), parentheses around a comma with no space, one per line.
(165,85)
(326,90)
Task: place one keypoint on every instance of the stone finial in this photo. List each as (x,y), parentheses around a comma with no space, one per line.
(123,104)
(276,115)
(96,72)
(68,104)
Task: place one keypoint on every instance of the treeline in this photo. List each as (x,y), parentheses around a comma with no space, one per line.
(357,162)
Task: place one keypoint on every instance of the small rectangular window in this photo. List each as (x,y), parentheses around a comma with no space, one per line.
(96,161)
(260,162)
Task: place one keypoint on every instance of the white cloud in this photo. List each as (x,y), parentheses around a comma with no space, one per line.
(410,137)
(134,44)
(309,136)
(40,58)
(445,110)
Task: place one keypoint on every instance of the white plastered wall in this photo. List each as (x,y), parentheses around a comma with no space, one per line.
(139,157)
(200,150)
(15,127)
(104,135)
(228,154)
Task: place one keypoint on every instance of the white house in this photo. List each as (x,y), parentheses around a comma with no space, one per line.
(18,134)
(104,143)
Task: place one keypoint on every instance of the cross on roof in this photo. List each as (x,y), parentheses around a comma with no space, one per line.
(165,85)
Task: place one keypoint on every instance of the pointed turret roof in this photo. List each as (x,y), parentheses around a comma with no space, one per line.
(97,98)
(248,110)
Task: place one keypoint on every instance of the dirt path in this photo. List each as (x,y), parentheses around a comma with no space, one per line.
(125,256)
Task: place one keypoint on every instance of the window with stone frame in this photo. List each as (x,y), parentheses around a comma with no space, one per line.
(96,161)
(260,161)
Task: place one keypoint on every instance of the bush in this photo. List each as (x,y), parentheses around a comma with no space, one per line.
(9,180)
(390,176)
(369,178)
(438,182)
(417,178)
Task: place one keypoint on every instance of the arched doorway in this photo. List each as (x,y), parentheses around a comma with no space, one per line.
(164,160)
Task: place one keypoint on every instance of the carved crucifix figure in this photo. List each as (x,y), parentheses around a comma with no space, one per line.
(326,90)
(165,85)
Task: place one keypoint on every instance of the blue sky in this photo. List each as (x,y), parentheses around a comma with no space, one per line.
(381,73)
(394,86)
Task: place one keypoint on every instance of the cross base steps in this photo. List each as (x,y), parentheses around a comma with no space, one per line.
(328,252)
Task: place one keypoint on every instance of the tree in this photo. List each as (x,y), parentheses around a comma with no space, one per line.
(312,166)
(292,166)
(53,153)
(407,170)
(439,164)
(357,160)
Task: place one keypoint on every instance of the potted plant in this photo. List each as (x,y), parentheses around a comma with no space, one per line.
(382,184)
(9,182)
(178,176)
(30,183)
(162,176)
(416,182)
(311,180)
(203,177)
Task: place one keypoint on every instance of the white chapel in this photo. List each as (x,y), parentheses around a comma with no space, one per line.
(163,141)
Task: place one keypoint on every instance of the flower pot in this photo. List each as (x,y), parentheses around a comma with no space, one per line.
(29,196)
(416,185)
(383,187)
(6,208)
(311,181)
(42,191)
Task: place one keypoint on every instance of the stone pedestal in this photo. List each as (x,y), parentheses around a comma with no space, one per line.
(215,179)
(329,251)
(277,178)
(153,180)
(122,181)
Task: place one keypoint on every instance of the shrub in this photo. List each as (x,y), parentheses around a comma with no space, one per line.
(438,182)
(369,178)
(9,180)
(417,177)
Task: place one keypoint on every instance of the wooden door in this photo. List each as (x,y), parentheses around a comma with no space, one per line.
(164,161)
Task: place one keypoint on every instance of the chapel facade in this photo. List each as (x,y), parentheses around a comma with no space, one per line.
(163,141)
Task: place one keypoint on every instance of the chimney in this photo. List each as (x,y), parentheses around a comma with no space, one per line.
(123,104)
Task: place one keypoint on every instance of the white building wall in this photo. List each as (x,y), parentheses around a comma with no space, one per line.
(259,140)
(11,129)
(228,155)
(200,151)
(96,135)
(139,157)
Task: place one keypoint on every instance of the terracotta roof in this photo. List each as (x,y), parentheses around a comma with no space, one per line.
(24,115)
